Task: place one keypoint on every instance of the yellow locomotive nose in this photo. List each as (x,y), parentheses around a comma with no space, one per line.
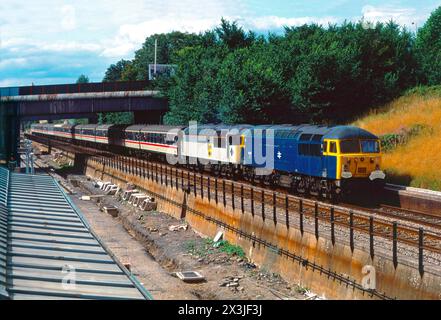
(359,166)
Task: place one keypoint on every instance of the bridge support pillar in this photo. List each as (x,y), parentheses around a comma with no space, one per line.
(80,161)
(9,133)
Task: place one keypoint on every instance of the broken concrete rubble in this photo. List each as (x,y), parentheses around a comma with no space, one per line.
(178,227)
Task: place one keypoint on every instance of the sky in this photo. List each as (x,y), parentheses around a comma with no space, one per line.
(55,41)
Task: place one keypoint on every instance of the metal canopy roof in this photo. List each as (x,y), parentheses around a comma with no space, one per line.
(51,253)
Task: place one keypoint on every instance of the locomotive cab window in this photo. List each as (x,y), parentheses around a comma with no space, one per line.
(234,140)
(370,146)
(349,146)
(221,142)
(333,147)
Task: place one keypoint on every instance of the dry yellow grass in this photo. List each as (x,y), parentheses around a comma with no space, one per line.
(418,162)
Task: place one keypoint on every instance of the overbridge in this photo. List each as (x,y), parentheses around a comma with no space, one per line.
(70,101)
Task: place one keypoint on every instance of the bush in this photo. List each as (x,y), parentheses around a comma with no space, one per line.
(391,141)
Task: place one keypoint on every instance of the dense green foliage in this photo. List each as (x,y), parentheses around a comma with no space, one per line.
(82,79)
(116,118)
(428,49)
(115,71)
(309,73)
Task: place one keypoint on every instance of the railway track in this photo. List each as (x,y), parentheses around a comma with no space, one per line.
(394,224)
(423,218)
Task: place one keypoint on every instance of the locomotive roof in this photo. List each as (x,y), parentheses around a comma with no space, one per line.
(328,132)
(349,132)
(219,127)
(289,131)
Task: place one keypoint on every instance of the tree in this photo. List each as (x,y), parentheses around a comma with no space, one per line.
(310,73)
(194,91)
(428,49)
(115,71)
(233,36)
(83,79)
(168,45)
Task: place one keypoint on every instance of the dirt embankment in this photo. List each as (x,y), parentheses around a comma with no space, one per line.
(228,273)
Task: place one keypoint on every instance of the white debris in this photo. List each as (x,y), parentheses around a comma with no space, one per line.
(178,227)
(218,236)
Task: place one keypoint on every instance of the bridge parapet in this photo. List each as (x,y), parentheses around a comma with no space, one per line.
(77,88)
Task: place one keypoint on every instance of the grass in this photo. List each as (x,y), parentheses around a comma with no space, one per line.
(206,248)
(410,127)
(65,167)
(231,249)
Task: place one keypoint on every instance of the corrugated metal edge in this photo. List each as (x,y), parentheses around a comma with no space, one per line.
(4,234)
(132,278)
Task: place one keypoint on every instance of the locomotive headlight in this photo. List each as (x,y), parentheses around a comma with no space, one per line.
(372,160)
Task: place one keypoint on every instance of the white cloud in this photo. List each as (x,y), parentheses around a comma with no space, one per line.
(408,17)
(85,35)
(13,62)
(68,20)
(274,22)
(71,46)
(131,36)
